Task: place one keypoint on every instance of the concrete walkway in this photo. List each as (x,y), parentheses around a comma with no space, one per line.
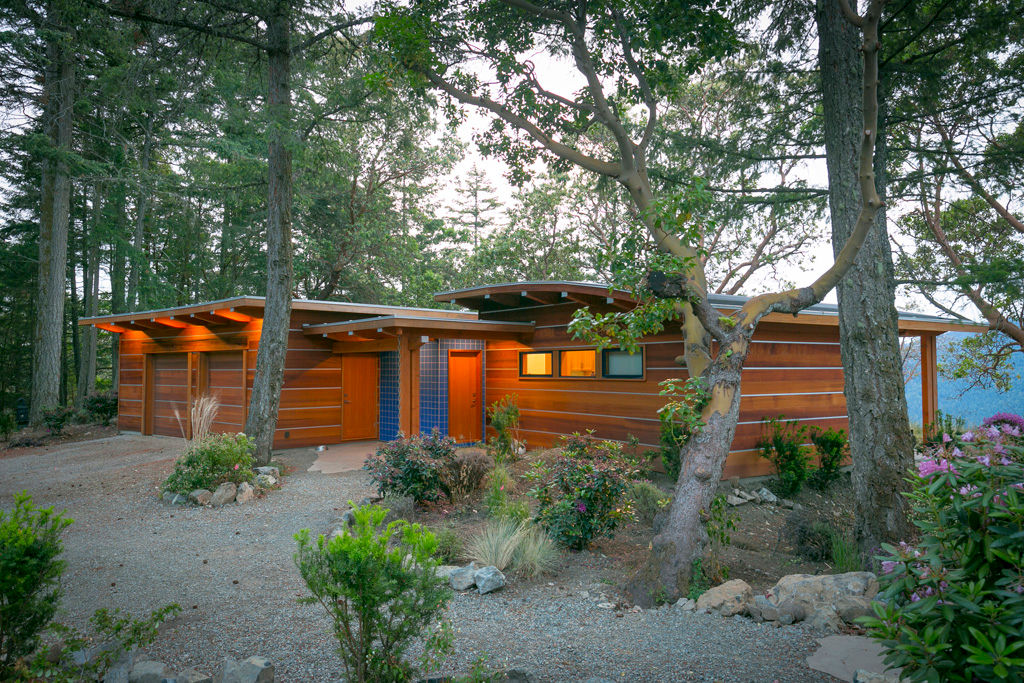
(343,457)
(843,656)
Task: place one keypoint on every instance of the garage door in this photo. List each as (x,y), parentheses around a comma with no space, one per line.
(169,394)
(224,380)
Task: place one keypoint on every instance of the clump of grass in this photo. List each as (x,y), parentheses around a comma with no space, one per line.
(648,501)
(449,546)
(536,553)
(496,544)
(845,554)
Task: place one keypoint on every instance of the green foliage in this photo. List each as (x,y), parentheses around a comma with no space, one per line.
(720,522)
(845,554)
(833,448)
(504,417)
(214,460)
(449,546)
(783,446)
(378,585)
(496,543)
(953,605)
(8,424)
(699,580)
(498,500)
(413,467)
(680,418)
(30,569)
(535,554)
(56,418)
(648,501)
(584,493)
(101,407)
(946,426)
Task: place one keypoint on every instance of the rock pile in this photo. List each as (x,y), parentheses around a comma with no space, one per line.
(738,496)
(485,579)
(266,477)
(127,670)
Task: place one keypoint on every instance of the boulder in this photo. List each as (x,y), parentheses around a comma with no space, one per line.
(224,494)
(266,480)
(862,676)
(200,497)
(444,571)
(761,609)
(174,498)
(149,672)
(828,588)
(735,500)
(686,604)
(348,518)
(767,496)
(825,620)
(727,599)
(488,580)
(850,607)
(193,676)
(252,670)
(268,470)
(462,578)
(246,493)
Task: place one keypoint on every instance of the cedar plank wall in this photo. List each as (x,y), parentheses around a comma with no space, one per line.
(793,369)
(310,411)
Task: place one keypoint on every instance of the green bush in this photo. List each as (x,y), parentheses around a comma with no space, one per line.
(953,606)
(378,585)
(8,424)
(648,501)
(946,429)
(833,447)
(679,418)
(214,460)
(584,493)
(56,418)
(30,569)
(783,446)
(413,467)
(449,546)
(504,417)
(101,407)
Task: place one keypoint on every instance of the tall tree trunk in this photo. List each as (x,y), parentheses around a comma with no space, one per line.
(118,277)
(58,85)
(90,304)
(139,257)
(881,443)
(266,389)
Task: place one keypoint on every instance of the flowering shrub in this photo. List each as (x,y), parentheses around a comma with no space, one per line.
(208,463)
(953,605)
(583,494)
(414,467)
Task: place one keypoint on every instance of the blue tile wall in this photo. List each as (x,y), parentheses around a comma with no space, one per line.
(388,424)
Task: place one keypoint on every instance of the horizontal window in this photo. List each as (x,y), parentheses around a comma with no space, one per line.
(577,363)
(619,364)
(536,364)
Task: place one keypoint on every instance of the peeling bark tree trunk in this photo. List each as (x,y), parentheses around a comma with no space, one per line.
(266,390)
(881,443)
(58,87)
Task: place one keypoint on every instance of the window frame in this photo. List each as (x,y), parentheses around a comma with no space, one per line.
(643,363)
(551,355)
(597,368)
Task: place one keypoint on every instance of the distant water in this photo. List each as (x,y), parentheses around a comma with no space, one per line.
(974,405)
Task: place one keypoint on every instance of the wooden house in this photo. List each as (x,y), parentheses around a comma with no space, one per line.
(368,372)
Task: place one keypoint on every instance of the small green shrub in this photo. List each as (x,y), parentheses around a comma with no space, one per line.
(783,446)
(946,429)
(208,463)
(648,501)
(699,581)
(833,447)
(449,546)
(504,417)
(413,467)
(56,418)
(378,585)
(953,605)
(679,418)
(496,543)
(8,424)
(536,553)
(720,522)
(30,569)
(499,483)
(101,407)
(584,493)
(810,536)
(845,554)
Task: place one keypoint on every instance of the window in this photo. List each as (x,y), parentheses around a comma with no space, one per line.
(577,363)
(536,364)
(620,364)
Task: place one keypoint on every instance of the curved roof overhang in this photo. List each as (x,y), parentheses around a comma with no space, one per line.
(531,293)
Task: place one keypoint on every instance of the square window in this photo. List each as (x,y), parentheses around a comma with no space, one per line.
(582,363)
(536,364)
(620,364)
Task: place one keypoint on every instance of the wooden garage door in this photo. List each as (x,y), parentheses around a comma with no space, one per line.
(224,379)
(168,394)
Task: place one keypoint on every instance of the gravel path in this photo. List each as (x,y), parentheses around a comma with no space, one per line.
(231,571)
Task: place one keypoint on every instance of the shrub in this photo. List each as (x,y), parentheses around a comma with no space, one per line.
(496,543)
(464,473)
(30,569)
(101,407)
(783,446)
(413,467)
(720,523)
(56,418)
(536,553)
(680,418)
(449,546)
(945,429)
(833,447)
(8,424)
(699,581)
(504,417)
(583,494)
(499,483)
(845,553)
(810,536)
(954,603)
(648,501)
(378,585)
(211,462)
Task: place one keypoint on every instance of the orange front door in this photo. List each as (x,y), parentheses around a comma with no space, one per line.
(359,390)
(464,407)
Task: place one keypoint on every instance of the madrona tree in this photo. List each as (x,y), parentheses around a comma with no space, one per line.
(624,57)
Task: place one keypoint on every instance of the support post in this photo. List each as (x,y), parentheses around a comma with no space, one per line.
(408,385)
(929,379)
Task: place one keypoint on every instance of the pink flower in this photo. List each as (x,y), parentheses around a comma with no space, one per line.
(888,566)
(968,437)
(985,460)
(926,468)
(992,432)
(946,438)
(236,465)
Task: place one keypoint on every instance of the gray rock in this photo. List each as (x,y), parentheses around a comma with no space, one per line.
(825,620)
(767,496)
(850,607)
(120,670)
(200,497)
(605,605)
(193,676)
(792,610)
(349,518)
(252,670)
(727,599)
(224,494)
(444,571)
(763,608)
(735,500)
(686,604)
(462,578)
(488,580)
(246,493)
(862,676)
(149,672)
(266,480)
(174,498)
(786,503)
(518,676)
(268,470)
(825,589)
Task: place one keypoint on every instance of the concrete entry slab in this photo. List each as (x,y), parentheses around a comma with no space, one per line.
(842,656)
(343,457)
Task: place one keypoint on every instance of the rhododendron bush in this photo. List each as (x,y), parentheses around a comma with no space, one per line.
(952,604)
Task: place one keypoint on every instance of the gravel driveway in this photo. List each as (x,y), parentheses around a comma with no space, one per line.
(231,571)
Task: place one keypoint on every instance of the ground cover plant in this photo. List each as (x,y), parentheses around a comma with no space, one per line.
(210,462)
(954,600)
(378,585)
